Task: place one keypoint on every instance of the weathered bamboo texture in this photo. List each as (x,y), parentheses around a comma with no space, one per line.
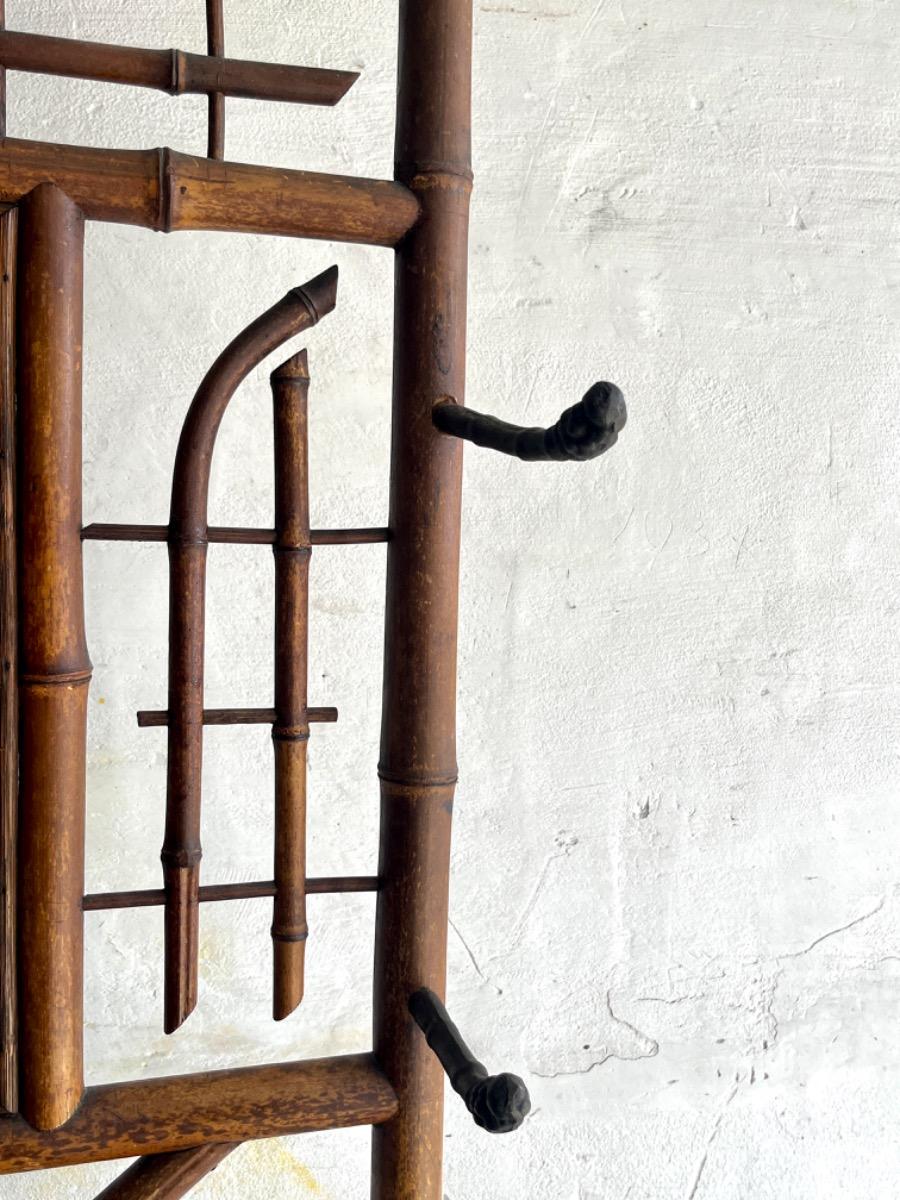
(215,46)
(157,1116)
(9,706)
(290,733)
(166,1176)
(55,670)
(188,539)
(167,191)
(418,738)
(174,71)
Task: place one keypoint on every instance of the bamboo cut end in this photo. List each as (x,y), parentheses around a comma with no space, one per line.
(290,958)
(320,294)
(296,367)
(342,82)
(182,938)
(51,1108)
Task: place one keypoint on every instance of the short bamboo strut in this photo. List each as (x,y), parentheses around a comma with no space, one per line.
(290,733)
(188,540)
(167,191)
(174,71)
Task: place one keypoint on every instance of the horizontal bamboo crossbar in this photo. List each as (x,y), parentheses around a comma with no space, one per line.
(156,1116)
(232,535)
(154,718)
(167,191)
(154,897)
(172,71)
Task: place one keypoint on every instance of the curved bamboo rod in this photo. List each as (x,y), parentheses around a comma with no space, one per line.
(188,540)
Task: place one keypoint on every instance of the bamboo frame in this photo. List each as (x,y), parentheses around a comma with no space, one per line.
(423,215)
(181,853)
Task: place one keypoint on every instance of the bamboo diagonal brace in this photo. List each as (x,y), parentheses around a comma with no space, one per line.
(290,732)
(188,540)
(586,430)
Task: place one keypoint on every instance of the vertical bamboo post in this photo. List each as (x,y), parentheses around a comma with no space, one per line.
(418,738)
(54,666)
(9,700)
(290,733)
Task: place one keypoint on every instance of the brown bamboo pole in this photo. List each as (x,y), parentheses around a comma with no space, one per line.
(157,1116)
(166,1176)
(290,733)
(55,670)
(9,706)
(174,71)
(215,45)
(167,191)
(188,540)
(418,734)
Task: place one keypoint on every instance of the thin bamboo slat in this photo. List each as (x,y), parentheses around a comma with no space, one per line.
(150,718)
(233,535)
(55,670)
(153,897)
(167,191)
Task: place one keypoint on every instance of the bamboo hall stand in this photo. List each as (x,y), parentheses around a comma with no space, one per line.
(180,1128)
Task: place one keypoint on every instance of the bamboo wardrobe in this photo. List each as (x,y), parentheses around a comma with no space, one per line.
(182,1127)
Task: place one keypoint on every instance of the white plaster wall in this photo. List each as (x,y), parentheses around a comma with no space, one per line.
(674,902)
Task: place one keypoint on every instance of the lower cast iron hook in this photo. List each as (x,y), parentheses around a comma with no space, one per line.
(584,431)
(499,1103)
